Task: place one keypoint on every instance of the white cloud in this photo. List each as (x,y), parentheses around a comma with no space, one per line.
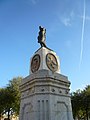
(66,21)
(34,1)
(86,17)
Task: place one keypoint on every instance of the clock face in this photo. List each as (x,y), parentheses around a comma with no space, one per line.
(35,63)
(51,62)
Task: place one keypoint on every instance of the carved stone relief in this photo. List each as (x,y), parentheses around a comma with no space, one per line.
(62,111)
(27,111)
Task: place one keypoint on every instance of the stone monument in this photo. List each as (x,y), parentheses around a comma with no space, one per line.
(45,92)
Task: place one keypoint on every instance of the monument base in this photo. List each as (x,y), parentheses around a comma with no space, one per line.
(45,96)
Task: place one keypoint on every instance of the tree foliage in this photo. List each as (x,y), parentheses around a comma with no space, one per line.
(2,94)
(10,97)
(13,87)
(81,103)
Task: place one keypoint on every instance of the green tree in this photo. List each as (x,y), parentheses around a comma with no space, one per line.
(76,99)
(5,101)
(81,103)
(2,92)
(10,97)
(13,88)
(86,101)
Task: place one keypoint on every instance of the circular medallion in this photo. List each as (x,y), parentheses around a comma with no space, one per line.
(35,63)
(51,62)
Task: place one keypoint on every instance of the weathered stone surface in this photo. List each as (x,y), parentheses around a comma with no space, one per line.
(45,94)
(43,52)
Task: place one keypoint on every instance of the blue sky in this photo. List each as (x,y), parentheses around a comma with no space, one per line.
(67,24)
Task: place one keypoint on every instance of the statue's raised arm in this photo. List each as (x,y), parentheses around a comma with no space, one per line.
(42,36)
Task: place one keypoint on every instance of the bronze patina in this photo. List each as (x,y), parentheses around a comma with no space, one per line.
(42,36)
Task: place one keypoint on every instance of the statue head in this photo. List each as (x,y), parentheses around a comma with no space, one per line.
(42,28)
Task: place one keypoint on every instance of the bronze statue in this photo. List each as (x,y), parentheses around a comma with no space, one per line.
(42,36)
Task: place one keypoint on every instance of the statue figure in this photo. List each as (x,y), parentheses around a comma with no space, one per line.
(42,36)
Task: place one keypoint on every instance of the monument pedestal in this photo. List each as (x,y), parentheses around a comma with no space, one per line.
(45,92)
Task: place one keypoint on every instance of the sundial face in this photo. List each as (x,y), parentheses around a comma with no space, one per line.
(51,62)
(35,63)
